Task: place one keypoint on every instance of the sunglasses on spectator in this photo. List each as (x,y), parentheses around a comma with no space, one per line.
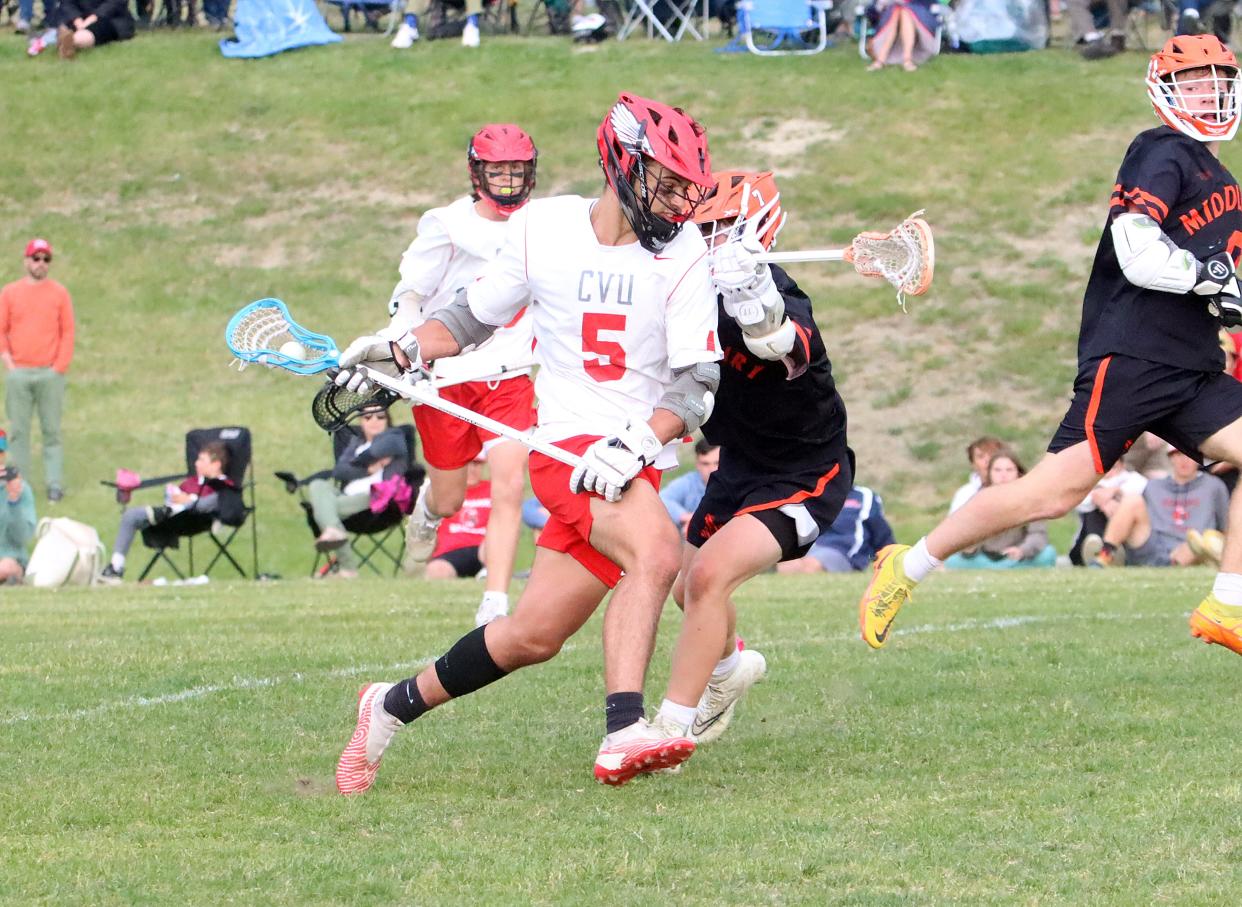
(375,416)
(40,258)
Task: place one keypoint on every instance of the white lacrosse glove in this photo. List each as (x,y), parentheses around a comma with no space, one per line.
(736,271)
(374,352)
(610,464)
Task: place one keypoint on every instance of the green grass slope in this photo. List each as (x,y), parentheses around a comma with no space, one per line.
(177,185)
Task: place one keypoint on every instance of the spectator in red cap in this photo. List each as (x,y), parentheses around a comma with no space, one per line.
(36,347)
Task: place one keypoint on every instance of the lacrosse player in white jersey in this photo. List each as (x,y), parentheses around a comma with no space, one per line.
(454,244)
(624,319)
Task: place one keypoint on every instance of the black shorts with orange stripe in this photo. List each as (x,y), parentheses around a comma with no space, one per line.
(1117,398)
(794,506)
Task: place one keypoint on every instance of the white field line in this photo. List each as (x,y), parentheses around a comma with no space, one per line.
(253,683)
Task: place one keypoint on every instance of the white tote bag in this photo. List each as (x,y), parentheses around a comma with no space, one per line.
(66,553)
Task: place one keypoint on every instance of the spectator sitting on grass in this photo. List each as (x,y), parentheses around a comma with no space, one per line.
(1177,521)
(197,492)
(1022,546)
(978,454)
(91,23)
(1099,506)
(459,550)
(682,495)
(851,542)
(905,33)
(17,520)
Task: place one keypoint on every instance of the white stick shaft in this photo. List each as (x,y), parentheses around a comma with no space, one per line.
(422,392)
(504,372)
(808,255)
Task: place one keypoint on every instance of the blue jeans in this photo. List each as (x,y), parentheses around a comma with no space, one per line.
(216,9)
(25,10)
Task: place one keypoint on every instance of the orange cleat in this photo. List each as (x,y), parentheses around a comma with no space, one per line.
(1215,622)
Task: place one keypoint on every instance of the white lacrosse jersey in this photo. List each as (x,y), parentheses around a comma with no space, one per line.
(453,245)
(610,322)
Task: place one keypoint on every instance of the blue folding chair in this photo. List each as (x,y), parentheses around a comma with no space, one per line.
(779,27)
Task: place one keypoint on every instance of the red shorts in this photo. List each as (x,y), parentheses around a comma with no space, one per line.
(450,443)
(569,515)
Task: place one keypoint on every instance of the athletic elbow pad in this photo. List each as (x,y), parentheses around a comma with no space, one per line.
(466,329)
(1148,258)
(692,393)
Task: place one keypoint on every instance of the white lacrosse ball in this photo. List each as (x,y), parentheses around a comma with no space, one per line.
(293,350)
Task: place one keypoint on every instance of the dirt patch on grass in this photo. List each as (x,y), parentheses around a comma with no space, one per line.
(782,147)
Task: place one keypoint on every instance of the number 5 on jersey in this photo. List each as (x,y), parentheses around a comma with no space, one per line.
(611,362)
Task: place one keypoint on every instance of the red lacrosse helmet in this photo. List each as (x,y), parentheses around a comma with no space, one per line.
(1204,106)
(494,143)
(726,209)
(637,130)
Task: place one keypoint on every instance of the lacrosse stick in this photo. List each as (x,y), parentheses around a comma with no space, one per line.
(904,256)
(335,405)
(253,330)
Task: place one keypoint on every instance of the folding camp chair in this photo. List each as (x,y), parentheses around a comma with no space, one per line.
(864,26)
(395,9)
(373,536)
(551,16)
(670,19)
(237,508)
(781,27)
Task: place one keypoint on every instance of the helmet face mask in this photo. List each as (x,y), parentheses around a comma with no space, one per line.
(502,161)
(740,195)
(1194,86)
(655,160)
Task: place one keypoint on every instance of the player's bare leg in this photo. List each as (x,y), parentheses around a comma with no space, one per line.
(709,675)
(1056,484)
(441,496)
(506,463)
(1218,618)
(558,600)
(637,535)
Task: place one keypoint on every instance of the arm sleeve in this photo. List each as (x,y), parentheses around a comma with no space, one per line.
(503,289)
(348,468)
(1036,539)
(64,348)
(427,259)
(690,324)
(1148,182)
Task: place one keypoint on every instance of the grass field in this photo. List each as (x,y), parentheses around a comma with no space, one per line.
(1051,738)
(1021,741)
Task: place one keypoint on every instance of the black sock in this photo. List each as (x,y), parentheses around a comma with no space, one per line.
(622,709)
(404,702)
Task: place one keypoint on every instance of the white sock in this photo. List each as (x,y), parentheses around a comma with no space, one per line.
(1228,588)
(500,598)
(424,512)
(726,666)
(118,561)
(918,562)
(680,715)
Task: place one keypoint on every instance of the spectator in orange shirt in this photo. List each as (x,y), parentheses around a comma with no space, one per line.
(36,347)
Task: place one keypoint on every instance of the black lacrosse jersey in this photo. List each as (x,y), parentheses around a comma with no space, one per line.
(1184,188)
(765,416)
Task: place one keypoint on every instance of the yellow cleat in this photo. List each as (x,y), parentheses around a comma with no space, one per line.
(1214,621)
(888,590)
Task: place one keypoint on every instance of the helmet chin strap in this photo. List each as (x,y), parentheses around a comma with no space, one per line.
(653,231)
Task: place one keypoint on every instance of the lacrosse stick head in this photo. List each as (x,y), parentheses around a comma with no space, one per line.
(336,406)
(264,333)
(905,256)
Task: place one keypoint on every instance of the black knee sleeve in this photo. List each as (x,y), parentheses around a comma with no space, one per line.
(468,666)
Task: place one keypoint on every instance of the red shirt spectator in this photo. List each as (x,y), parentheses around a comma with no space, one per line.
(468,526)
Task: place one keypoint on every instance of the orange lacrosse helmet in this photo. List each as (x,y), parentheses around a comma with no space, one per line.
(726,209)
(1203,104)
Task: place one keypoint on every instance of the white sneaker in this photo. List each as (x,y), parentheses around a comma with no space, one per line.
(420,535)
(721,697)
(492,607)
(21,26)
(405,37)
(638,749)
(355,770)
(470,36)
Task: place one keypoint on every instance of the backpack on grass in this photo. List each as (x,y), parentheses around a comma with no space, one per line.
(66,553)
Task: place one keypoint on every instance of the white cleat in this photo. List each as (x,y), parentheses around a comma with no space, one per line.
(405,37)
(420,534)
(721,697)
(470,36)
(638,749)
(355,770)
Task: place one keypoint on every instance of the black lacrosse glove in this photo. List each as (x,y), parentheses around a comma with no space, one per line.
(1217,277)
